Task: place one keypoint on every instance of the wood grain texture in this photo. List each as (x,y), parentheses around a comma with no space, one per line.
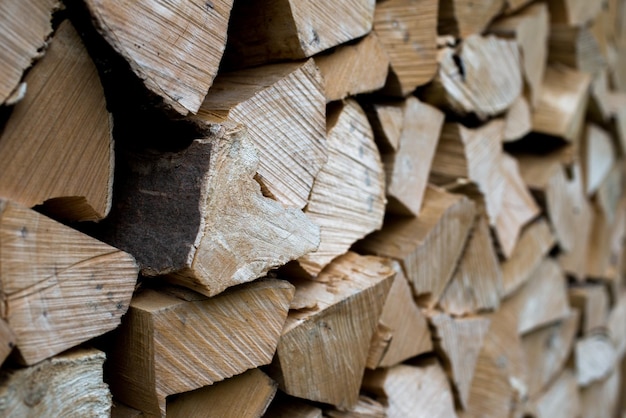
(174,340)
(283,108)
(68,385)
(575,47)
(60,287)
(7,340)
(561,399)
(600,399)
(347,200)
(408,31)
(387,120)
(595,358)
(323,349)
(573,12)
(463,18)
(598,157)
(26,26)
(284,406)
(174,48)
(615,322)
(365,408)
(592,301)
(518,120)
(67,155)
(443,224)
(221,231)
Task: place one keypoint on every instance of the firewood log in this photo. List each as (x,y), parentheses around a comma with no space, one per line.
(615,325)
(575,47)
(595,357)
(560,400)
(284,406)
(592,301)
(174,340)
(610,192)
(463,18)
(606,245)
(600,399)
(7,340)
(573,12)
(66,157)
(518,120)
(365,408)
(597,156)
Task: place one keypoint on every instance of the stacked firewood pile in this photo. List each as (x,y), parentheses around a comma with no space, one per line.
(285,208)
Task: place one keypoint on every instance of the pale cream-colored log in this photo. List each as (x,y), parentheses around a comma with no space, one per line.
(199,216)
(595,358)
(530,29)
(348,196)
(598,107)
(174,340)
(59,286)
(477,282)
(26,26)
(463,18)
(576,47)
(283,108)
(546,351)
(518,120)
(574,12)
(428,247)
(560,111)
(57,143)
(560,400)
(407,30)
(600,399)
(365,408)
(245,395)
(459,341)
(406,325)
(610,191)
(349,70)
(68,385)
(421,390)
(281,30)
(598,157)
(408,165)
(174,48)
(592,301)
(323,349)
(535,242)
(615,325)
(481,76)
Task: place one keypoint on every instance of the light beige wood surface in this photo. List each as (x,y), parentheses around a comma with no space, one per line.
(463,18)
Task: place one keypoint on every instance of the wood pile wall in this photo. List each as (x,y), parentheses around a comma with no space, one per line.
(286,208)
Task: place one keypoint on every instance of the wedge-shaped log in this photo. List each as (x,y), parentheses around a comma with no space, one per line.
(598,157)
(518,120)
(199,216)
(365,408)
(323,349)
(428,247)
(174,340)
(547,350)
(413,390)
(592,301)
(561,108)
(477,283)
(459,342)
(408,161)
(534,244)
(605,245)
(610,192)
(560,400)
(67,155)
(348,197)
(59,286)
(574,12)
(481,76)
(575,47)
(530,29)
(291,29)
(387,120)
(462,18)
(26,26)
(283,108)
(600,399)
(407,30)
(174,48)
(595,358)
(68,385)
(224,399)
(404,323)
(349,69)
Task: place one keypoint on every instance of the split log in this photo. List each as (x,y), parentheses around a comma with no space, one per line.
(364,408)
(463,18)
(530,29)
(407,30)
(598,107)
(534,244)
(285,406)
(546,351)
(600,399)
(518,120)
(173,340)
(67,155)
(245,395)
(604,255)
(574,12)
(592,301)
(408,165)
(68,385)
(595,358)
(477,283)
(387,120)
(175,212)
(610,192)
(617,113)
(354,69)
(25,29)
(561,108)
(348,197)
(560,400)
(598,157)
(59,286)
(514,5)
(443,224)
(458,342)
(615,325)
(7,340)
(420,390)
(323,349)
(283,108)
(406,325)
(175,49)
(481,76)
(575,47)
(289,29)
